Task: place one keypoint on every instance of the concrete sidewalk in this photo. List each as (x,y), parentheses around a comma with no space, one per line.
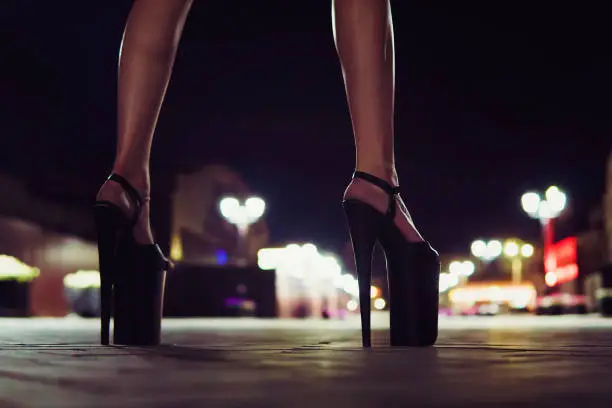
(561,362)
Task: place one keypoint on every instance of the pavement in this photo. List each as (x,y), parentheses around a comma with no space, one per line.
(526,361)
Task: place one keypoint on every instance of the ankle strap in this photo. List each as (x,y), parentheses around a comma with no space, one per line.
(137,199)
(383,185)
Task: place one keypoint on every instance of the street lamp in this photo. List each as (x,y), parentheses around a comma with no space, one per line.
(511,249)
(462,269)
(486,251)
(458,273)
(242,216)
(516,252)
(447,281)
(545,210)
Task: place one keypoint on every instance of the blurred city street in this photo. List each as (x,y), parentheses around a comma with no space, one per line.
(252,175)
(538,361)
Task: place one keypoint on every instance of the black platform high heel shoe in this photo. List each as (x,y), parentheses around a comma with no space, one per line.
(132,275)
(413,271)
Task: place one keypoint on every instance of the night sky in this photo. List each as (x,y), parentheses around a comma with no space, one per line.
(491,101)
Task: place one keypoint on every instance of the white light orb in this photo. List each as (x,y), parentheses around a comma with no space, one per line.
(229,207)
(255,207)
(379,304)
(478,248)
(531,203)
(556,200)
(511,249)
(467,268)
(527,250)
(494,249)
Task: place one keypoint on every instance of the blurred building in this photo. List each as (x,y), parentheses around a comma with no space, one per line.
(43,234)
(199,234)
(492,298)
(194,290)
(48,226)
(379,266)
(312,283)
(304,284)
(573,269)
(607,209)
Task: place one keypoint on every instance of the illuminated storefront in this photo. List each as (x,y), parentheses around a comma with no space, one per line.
(35,260)
(561,272)
(561,262)
(15,278)
(492,298)
(573,274)
(310,283)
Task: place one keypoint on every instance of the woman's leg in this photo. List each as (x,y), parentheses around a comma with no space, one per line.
(363,31)
(147,54)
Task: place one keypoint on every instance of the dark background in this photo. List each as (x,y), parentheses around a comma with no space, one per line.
(491,101)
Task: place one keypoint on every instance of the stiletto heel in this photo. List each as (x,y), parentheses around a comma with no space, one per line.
(106,305)
(413,270)
(132,275)
(364,225)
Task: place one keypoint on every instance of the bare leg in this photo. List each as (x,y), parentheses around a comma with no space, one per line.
(363,31)
(148,49)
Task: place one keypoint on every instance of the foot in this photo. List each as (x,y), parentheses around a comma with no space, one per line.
(369,193)
(113,192)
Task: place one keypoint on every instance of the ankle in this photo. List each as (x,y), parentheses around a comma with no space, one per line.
(138,178)
(389,174)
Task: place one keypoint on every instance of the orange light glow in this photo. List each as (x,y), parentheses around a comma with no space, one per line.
(550,278)
(517,296)
(563,274)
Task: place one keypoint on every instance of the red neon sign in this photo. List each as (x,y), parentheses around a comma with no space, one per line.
(560,262)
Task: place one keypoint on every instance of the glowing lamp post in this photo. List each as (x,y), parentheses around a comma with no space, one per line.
(545,209)
(242,216)
(486,251)
(512,249)
(462,269)
(516,252)
(302,268)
